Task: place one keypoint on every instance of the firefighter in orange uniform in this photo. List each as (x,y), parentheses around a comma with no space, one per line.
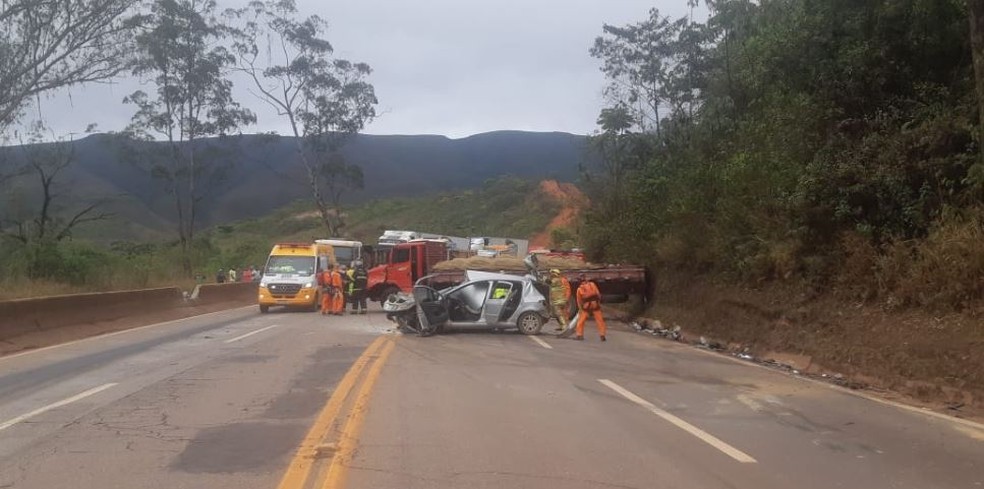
(327,294)
(337,300)
(589,302)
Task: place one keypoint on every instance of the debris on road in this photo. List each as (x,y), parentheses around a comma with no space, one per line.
(654,327)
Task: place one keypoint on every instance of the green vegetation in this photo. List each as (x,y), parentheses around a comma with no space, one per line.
(504,206)
(184,52)
(830,142)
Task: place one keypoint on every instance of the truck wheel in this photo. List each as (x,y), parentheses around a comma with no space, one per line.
(530,323)
(264,309)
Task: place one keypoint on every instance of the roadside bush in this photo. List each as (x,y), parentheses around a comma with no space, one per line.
(832,143)
(942,271)
(946,269)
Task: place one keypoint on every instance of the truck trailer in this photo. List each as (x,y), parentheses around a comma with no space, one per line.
(415,260)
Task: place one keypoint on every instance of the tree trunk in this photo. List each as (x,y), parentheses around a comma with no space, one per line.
(324,210)
(976,9)
(179,207)
(192,190)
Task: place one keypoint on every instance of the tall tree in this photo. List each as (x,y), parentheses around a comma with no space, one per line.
(180,52)
(324,99)
(615,124)
(637,59)
(51,44)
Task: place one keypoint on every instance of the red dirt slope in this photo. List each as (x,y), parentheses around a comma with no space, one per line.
(571,199)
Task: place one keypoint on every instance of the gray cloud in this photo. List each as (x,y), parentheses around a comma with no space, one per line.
(452,67)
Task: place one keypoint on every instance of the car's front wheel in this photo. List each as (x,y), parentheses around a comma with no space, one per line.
(530,323)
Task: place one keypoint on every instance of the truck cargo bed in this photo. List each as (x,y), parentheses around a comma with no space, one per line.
(614,280)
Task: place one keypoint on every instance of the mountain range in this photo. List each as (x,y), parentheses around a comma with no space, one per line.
(264,175)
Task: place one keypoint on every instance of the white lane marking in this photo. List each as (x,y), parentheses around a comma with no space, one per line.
(251,333)
(679,423)
(541,342)
(125,331)
(55,405)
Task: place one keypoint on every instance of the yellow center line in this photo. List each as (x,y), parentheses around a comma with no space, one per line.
(338,470)
(300,466)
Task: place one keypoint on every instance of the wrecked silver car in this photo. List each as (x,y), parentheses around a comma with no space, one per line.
(484,300)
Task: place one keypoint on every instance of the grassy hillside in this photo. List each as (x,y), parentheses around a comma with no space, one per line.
(260,175)
(504,206)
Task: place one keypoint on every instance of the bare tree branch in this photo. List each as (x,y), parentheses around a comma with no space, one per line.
(81,217)
(50,44)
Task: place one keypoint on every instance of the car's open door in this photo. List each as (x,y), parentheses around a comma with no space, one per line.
(499,294)
(432,311)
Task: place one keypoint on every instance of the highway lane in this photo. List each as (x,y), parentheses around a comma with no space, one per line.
(239,399)
(220,400)
(477,411)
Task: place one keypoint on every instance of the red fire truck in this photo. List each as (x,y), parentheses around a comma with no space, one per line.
(408,262)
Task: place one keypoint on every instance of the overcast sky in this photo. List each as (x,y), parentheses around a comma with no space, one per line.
(451,67)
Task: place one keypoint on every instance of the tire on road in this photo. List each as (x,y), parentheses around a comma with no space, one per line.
(530,323)
(264,309)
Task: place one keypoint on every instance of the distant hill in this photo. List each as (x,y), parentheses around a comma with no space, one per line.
(264,174)
(503,206)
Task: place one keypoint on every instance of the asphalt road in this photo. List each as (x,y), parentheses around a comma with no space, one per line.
(296,400)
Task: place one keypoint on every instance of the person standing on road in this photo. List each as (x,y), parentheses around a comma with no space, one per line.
(560,298)
(220,277)
(232,275)
(338,299)
(359,281)
(344,289)
(327,293)
(247,275)
(589,302)
(350,287)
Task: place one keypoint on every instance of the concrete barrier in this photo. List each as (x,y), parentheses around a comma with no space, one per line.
(68,313)
(22,316)
(234,292)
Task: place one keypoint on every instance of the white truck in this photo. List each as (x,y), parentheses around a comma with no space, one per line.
(394,237)
(492,247)
(348,253)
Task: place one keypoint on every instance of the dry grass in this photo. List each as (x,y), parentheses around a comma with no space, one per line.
(947,268)
(944,271)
